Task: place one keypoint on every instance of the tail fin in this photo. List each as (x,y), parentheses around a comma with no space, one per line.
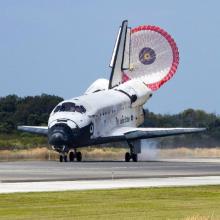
(149,53)
(120,56)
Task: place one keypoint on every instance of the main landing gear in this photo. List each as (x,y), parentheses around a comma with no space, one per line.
(129,156)
(134,150)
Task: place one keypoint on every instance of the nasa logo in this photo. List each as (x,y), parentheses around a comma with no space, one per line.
(147,56)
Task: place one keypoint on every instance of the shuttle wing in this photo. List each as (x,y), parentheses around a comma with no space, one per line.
(145,133)
(34,129)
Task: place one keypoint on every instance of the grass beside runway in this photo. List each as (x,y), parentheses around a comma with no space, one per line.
(149,203)
(108,153)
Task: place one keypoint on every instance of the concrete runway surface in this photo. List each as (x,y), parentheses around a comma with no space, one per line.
(32,176)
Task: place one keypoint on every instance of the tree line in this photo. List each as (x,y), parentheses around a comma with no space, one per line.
(30,110)
(35,110)
(187,118)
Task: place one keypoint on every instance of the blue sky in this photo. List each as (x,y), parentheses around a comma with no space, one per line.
(61,47)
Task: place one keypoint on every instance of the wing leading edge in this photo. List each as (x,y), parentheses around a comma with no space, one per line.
(145,133)
(34,129)
(126,133)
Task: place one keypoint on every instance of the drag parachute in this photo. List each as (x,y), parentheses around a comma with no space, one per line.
(154,56)
(149,53)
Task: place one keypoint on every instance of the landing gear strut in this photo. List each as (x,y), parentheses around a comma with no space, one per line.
(63,154)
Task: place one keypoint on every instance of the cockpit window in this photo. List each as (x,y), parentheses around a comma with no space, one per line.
(57,108)
(70,107)
(82,109)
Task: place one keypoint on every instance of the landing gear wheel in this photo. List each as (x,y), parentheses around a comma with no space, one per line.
(134,157)
(65,158)
(71,156)
(79,156)
(127,157)
(61,158)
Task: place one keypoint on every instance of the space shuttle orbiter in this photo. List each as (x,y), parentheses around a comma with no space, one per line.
(143,59)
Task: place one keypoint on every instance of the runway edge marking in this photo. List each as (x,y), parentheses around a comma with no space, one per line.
(107,184)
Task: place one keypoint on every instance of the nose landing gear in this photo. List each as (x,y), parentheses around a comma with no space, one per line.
(78,156)
(63,158)
(67,155)
(72,156)
(63,153)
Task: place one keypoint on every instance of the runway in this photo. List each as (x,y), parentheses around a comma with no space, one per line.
(34,176)
(27,171)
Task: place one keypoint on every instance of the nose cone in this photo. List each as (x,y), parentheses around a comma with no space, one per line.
(60,135)
(58,138)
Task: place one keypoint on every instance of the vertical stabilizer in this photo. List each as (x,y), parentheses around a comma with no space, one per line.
(120,57)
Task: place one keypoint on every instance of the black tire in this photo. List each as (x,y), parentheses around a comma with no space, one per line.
(79,156)
(134,157)
(65,158)
(61,158)
(127,157)
(71,156)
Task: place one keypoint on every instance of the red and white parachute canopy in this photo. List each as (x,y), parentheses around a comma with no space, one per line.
(154,56)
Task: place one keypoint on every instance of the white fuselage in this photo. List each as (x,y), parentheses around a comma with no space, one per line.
(104,110)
